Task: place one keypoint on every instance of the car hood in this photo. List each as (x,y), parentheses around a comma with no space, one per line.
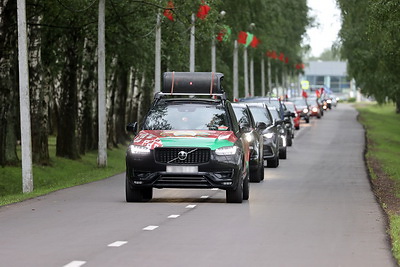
(184,138)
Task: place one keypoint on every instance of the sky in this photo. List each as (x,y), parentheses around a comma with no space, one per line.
(328,16)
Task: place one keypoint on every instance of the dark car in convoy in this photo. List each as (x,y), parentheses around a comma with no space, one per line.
(188,142)
(294,113)
(269,101)
(282,132)
(254,138)
(303,108)
(266,127)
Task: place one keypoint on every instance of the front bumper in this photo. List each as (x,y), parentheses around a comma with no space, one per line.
(222,172)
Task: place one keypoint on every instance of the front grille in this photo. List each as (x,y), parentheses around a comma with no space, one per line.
(170,155)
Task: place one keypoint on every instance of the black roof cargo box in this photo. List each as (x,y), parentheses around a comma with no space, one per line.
(199,83)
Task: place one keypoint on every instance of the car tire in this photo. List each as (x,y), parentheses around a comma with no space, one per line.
(235,195)
(246,188)
(257,175)
(289,141)
(273,163)
(283,153)
(297,127)
(137,194)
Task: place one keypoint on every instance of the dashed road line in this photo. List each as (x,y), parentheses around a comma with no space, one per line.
(150,228)
(117,244)
(190,206)
(75,264)
(204,197)
(173,216)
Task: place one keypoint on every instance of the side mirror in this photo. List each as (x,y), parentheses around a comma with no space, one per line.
(132,127)
(245,127)
(293,114)
(287,113)
(261,125)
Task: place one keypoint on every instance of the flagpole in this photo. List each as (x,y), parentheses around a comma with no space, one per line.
(252,76)
(192,44)
(235,71)
(262,75)
(269,76)
(213,55)
(157,72)
(246,74)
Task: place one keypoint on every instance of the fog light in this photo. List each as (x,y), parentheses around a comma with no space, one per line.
(137,182)
(227,183)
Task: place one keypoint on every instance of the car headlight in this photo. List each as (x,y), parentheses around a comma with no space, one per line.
(269,135)
(226,150)
(329,101)
(249,138)
(314,109)
(134,149)
(305,110)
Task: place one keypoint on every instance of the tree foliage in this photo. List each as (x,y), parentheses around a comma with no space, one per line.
(370,37)
(63,61)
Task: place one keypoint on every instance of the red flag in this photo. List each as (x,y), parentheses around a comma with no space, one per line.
(242,38)
(304,94)
(318,93)
(203,11)
(286,60)
(274,55)
(281,56)
(255,42)
(322,90)
(168,12)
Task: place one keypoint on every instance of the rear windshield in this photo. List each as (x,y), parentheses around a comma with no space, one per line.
(260,114)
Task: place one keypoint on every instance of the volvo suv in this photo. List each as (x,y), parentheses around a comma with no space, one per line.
(190,138)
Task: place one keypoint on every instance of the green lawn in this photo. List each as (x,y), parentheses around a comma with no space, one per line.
(382,126)
(62,173)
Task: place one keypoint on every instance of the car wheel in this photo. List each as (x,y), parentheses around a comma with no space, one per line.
(137,194)
(307,120)
(258,174)
(282,153)
(273,163)
(235,195)
(289,141)
(297,127)
(246,188)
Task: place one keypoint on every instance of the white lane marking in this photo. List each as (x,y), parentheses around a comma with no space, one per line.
(190,206)
(173,216)
(75,264)
(150,228)
(214,189)
(204,196)
(117,244)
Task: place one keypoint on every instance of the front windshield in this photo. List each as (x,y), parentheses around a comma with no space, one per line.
(187,117)
(275,114)
(260,114)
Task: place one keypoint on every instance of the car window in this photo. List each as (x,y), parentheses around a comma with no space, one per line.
(275,114)
(260,114)
(187,117)
(241,115)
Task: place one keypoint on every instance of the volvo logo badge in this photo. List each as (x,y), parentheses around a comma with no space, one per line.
(182,155)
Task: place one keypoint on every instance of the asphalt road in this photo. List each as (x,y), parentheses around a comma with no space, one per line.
(315,209)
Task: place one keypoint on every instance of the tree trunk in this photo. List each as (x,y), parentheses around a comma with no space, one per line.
(87,120)
(120,103)
(39,92)
(8,83)
(66,126)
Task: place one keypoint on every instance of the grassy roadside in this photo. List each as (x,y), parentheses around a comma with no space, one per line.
(61,174)
(383,161)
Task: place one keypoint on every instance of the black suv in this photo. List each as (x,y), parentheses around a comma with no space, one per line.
(254,138)
(188,142)
(268,129)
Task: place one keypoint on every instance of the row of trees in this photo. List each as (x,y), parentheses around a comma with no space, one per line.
(370,41)
(63,62)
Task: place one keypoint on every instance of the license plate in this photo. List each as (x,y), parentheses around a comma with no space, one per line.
(183,169)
